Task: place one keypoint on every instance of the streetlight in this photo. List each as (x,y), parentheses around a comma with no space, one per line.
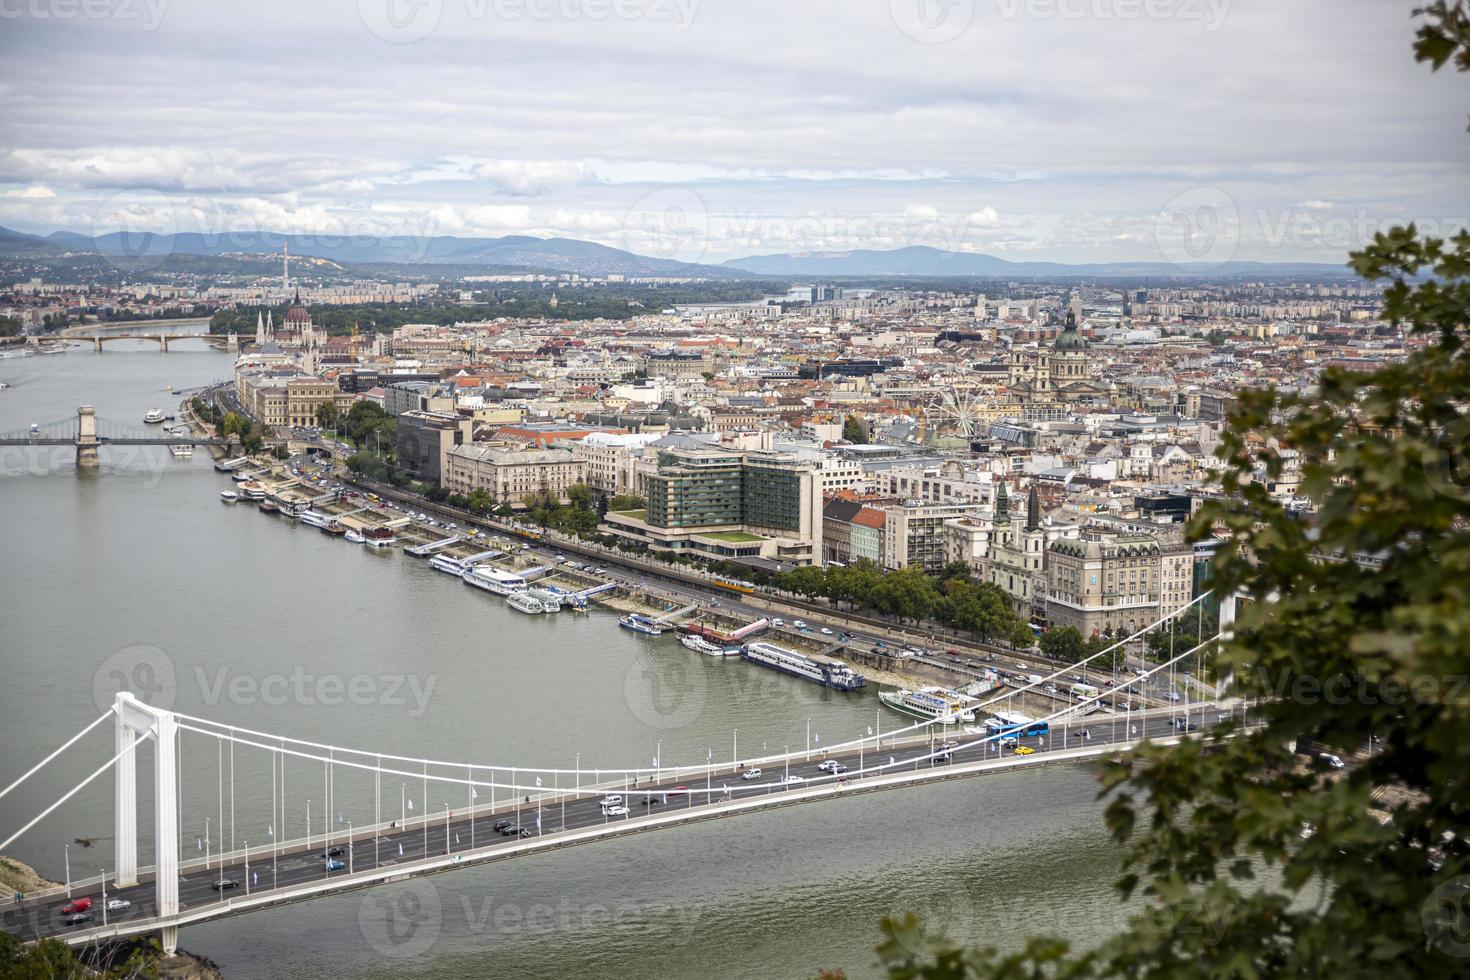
(104,896)
(247,866)
(349,847)
(66,856)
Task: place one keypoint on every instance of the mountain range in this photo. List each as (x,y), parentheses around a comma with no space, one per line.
(525,253)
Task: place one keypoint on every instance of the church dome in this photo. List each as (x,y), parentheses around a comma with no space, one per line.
(1070,339)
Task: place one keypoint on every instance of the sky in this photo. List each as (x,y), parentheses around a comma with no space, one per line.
(705,130)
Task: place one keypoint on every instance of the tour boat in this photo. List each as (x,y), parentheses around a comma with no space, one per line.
(379,537)
(252,490)
(18,352)
(929,702)
(334,529)
(834,674)
(313,518)
(493,580)
(355,537)
(550,601)
(525,602)
(268,507)
(641,624)
(181,450)
(154,416)
(448,565)
(229,496)
(700,645)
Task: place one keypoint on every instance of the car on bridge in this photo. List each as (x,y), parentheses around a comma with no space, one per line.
(335,852)
(792,780)
(1025,750)
(615,811)
(832,766)
(118,904)
(611,800)
(516,831)
(750,774)
(224,884)
(332,864)
(77,918)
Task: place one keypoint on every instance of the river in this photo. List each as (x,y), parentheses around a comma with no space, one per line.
(138,574)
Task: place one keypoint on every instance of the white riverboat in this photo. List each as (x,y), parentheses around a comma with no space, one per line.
(229,497)
(525,602)
(154,416)
(550,601)
(929,703)
(834,673)
(379,537)
(494,580)
(447,564)
(700,645)
(639,623)
(355,537)
(313,518)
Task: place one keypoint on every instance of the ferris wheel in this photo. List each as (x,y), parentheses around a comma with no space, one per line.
(956,409)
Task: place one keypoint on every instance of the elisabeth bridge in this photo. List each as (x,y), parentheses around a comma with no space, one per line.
(485,810)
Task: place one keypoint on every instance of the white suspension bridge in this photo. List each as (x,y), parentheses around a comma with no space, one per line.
(479,811)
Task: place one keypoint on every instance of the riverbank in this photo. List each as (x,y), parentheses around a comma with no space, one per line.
(17,876)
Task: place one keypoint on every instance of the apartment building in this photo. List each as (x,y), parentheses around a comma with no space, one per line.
(510,474)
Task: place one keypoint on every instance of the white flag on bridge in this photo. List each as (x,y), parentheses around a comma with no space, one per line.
(410,804)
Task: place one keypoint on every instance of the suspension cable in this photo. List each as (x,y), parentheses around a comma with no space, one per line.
(74,790)
(72,741)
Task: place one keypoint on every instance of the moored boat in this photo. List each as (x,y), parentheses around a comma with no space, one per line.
(355,537)
(268,507)
(252,490)
(834,673)
(379,537)
(229,497)
(929,703)
(525,602)
(154,416)
(639,623)
(493,580)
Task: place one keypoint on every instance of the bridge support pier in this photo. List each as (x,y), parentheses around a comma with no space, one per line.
(87,458)
(125,810)
(163,343)
(97,345)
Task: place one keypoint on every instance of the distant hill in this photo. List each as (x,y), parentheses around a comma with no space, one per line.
(20,244)
(927,262)
(515,251)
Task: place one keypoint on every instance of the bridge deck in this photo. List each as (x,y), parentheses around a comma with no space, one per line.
(426,845)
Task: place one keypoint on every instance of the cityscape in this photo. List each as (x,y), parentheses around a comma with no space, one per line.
(1078,523)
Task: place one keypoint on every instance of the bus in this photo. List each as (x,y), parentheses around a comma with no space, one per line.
(1084,692)
(1015,724)
(734,585)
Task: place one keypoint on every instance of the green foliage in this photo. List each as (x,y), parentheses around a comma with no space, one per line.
(368,427)
(627,501)
(852,430)
(1357,634)
(578,516)
(1062,643)
(9,326)
(327,416)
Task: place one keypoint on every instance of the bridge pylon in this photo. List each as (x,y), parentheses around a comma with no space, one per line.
(131,719)
(87,458)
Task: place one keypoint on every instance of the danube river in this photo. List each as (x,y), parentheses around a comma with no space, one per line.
(138,575)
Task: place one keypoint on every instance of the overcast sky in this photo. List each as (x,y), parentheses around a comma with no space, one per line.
(1069,130)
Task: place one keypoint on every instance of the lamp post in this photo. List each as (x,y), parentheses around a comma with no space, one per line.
(247,866)
(349,847)
(104,896)
(66,856)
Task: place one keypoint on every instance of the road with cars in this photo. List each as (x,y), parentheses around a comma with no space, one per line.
(460,832)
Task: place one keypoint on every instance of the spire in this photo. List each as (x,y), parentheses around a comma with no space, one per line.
(1002,504)
(1033,510)
(259,328)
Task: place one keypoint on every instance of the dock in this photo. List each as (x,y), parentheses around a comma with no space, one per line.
(425,550)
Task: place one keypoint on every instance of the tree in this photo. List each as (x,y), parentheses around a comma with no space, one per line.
(852,430)
(1062,643)
(1353,641)
(327,415)
(807,580)
(1021,636)
(627,501)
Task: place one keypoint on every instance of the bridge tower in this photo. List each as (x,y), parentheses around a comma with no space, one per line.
(233,342)
(97,345)
(132,719)
(163,343)
(87,458)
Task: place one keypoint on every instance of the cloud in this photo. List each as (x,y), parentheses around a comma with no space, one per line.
(528,178)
